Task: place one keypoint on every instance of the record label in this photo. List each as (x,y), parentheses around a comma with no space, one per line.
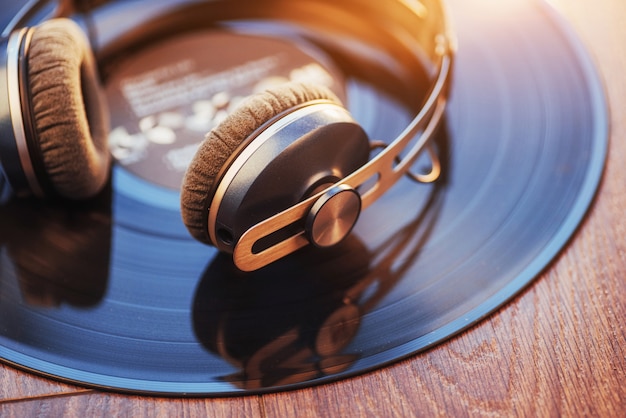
(165,98)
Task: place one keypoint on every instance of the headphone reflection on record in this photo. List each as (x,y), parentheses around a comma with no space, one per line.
(53,138)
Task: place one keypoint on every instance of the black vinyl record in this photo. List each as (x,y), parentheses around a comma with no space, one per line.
(113,293)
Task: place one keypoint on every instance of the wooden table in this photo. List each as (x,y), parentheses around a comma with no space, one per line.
(559,348)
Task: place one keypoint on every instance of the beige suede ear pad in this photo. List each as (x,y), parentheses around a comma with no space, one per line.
(223,140)
(69,113)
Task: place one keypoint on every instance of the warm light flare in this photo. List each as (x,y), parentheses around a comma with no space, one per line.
(417,7)
(493,9)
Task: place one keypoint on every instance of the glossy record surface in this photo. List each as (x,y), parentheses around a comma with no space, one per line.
(113,293)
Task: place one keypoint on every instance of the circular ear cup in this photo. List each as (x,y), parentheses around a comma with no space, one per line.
(217,148)
(67,109)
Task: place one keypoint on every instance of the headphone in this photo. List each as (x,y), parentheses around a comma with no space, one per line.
(52,120)
(289,167)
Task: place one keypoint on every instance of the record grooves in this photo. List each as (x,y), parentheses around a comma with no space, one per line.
(113,294)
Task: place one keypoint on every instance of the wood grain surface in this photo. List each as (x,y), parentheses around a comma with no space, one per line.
(558,349)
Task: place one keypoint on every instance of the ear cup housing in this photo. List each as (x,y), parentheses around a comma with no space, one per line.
(220,145)
(5,188)
(12,175)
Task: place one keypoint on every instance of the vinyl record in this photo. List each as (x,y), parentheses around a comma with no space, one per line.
(113,293)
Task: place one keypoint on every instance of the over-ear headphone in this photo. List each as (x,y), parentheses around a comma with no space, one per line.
(53,122)
(290,167)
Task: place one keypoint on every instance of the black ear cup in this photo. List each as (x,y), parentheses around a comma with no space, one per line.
(53,118)
(69,116)
(216,151)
